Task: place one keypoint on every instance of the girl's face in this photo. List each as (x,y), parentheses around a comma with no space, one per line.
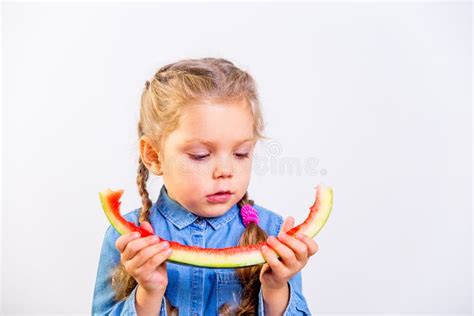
(211,151)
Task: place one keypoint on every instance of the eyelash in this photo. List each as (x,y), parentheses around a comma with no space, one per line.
(202,157)
(197,157)
(242,156)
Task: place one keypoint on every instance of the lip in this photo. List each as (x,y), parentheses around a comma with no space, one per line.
(221,196)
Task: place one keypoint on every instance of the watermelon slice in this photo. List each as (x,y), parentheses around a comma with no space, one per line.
(230,257)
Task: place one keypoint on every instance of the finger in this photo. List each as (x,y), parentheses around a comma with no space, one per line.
(155,261)
(133,247)
(272,260)
(146,253)
(123,240)
(265,267)
(287,224)
(313,247)
(299,248)
(146,225)
(287,255)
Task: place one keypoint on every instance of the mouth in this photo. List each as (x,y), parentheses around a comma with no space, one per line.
(222,196)
(220,192)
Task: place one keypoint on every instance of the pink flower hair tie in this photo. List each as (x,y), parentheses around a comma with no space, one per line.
(248,214)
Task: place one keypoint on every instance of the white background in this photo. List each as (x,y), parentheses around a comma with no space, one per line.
(379,94)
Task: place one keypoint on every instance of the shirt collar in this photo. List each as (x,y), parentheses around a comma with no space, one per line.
(181,217)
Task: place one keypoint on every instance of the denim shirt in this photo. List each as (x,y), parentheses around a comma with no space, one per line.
(193,290)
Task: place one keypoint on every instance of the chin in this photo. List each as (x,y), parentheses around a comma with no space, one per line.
(214,210)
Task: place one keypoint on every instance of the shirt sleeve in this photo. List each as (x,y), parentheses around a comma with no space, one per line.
(296,304)
(104,302)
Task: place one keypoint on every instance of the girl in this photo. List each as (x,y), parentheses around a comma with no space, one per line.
(199,122)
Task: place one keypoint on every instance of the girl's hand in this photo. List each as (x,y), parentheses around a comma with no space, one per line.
(145,259)
(294,253)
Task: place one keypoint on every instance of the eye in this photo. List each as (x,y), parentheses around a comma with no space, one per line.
(198,157)
(242,155)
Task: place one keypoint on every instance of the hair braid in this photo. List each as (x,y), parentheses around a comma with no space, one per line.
(250,276)
(122,281)
(142,178)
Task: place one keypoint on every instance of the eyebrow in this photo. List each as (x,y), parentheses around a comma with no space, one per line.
(206,142)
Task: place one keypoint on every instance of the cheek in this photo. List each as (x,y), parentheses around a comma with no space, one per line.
(184,177)
(243,168)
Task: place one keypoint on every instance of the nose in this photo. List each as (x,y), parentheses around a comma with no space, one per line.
(223,169)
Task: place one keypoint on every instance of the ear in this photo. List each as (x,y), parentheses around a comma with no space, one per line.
(150,155)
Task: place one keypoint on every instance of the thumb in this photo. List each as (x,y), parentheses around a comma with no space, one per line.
(287,224)
(146,225)
(265,268)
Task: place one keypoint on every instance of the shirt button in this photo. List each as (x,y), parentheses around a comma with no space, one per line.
(198,221)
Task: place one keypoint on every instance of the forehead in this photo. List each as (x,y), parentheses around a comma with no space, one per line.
(215,122)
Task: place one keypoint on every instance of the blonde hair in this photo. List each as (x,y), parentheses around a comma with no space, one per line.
(174,86)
